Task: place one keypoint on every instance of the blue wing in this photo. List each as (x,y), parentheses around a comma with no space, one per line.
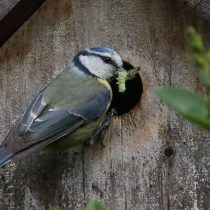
(44,123)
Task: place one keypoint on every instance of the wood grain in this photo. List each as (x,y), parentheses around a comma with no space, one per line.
(132,171)
(13,13)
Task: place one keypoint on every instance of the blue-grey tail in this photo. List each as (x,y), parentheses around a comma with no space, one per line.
(4,157)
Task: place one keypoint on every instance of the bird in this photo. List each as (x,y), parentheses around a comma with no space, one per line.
(70,110)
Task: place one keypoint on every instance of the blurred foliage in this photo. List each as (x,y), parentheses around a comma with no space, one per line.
(190,105)
(199,55)
(56,209)
(95,205)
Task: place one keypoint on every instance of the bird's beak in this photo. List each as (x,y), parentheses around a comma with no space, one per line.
(121,69)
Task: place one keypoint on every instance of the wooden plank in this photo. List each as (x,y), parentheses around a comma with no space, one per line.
(13,14)
(135,170)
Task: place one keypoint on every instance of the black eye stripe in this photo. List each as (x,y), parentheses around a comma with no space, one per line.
(97,55)
(103,58)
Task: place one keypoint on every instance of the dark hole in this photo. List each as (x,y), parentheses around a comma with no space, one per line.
(168,151)
(124,102)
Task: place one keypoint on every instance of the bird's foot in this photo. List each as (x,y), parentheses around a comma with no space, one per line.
(100,133)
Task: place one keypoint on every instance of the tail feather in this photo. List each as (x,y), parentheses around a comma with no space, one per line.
(4,157)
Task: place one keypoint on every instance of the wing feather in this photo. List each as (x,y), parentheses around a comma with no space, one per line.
(48,118)
(33,111)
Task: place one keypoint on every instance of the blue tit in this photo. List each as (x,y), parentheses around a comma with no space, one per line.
(69,110)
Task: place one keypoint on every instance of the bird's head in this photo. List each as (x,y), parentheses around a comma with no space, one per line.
(100,62)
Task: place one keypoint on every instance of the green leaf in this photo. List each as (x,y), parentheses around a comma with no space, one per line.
(199,55)
(190,105)
(195,40)
(95,205)
(205,76)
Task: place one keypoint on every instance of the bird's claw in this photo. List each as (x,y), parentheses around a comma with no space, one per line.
(99,134)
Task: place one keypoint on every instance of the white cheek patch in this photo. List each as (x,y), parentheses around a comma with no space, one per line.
(96,66)
(84,60)
(118,59)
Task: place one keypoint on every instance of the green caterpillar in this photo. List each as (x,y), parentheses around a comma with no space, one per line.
(123,76)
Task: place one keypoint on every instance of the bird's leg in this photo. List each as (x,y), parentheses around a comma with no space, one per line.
(99,134)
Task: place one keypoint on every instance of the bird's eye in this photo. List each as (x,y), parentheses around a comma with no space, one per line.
(107,59)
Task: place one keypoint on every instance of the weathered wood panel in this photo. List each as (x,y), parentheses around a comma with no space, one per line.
(13,13)
(132,171)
